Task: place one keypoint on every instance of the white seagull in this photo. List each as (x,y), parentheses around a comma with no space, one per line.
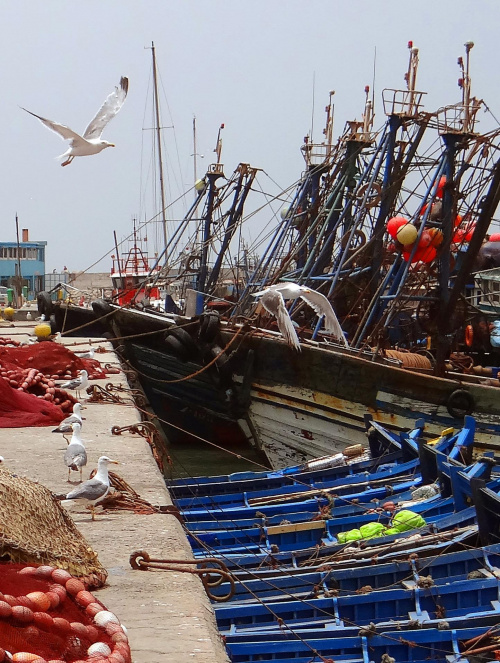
(75,418)
(75,455)
(273,300)
(94,490)
(78,383)
(87,354)
(90,142)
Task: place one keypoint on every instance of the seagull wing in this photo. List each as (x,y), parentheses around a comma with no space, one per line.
(75,454)
(65,132)
(107,111)
(72,384)
(322,306)
(92,489)
(273,302)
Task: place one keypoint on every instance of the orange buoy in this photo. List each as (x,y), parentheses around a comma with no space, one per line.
(436,237)
(440,186)
(469,336)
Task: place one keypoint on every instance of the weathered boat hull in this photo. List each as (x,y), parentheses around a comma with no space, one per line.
(295,405)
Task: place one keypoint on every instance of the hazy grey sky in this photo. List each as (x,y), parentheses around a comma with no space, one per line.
(250,65)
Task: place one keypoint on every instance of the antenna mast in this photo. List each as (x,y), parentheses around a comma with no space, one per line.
(158,138)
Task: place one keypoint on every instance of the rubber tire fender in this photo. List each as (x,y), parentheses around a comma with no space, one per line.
(45,304)
(460,402)
(101,307)
(209,327)
(175,347)
(184,338)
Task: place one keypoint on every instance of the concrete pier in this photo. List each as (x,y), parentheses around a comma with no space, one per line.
(167,614)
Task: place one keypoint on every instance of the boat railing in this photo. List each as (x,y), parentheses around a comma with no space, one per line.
(405,103)
(458,118)
(317,153)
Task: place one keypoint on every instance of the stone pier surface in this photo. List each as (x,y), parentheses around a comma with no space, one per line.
(167,614)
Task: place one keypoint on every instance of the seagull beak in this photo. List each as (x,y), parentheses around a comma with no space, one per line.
(115,462)
(112,145)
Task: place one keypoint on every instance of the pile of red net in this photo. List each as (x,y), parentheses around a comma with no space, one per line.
(47,615)
(29,393)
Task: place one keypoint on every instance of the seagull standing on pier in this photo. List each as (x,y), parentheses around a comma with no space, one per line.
(75,418)
(90,142)
(94,490)
(79,383)
(75,455)
(88,354)
(273,300)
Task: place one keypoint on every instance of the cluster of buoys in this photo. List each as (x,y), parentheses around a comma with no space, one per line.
(404,232)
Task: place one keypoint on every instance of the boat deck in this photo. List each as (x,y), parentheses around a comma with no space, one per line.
(167,614)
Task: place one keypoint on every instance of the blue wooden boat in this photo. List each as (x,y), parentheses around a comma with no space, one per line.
(395,607)
(344,578)
(243,487)
(301,596)
(313,509)
(298,535)
(384,447)
(306,534)
(410,646)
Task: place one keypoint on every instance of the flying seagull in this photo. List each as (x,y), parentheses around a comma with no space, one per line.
(75,418)
(90,142)
(94,490)
(75,455)
(273,300)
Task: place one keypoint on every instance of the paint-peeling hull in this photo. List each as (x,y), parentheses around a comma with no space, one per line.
(297,405)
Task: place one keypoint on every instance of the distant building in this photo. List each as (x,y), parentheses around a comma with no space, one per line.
(30,257)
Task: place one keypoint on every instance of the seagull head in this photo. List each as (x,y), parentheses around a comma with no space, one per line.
(104,460)
(106,143)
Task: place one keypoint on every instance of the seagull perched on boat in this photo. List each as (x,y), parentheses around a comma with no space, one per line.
(273,300)
(66,424)
(75,455)
(79,383)
(90,142)
(95,489)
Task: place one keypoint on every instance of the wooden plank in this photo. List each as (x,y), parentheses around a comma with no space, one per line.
(296,527)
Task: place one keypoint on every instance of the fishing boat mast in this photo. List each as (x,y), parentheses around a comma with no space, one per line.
(159,146)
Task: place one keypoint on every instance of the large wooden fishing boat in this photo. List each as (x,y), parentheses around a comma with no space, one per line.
(388,226)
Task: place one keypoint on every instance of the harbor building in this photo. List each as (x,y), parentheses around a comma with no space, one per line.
(25,259)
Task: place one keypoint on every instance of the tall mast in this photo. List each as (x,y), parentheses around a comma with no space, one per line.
(194,149)
(158,138)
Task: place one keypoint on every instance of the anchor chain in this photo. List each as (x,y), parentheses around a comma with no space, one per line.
(98,394)
(149,432)
(136,394)
(211,576)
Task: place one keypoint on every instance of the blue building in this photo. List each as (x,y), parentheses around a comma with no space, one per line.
(30,257)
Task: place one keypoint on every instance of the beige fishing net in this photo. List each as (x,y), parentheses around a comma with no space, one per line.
(35,529)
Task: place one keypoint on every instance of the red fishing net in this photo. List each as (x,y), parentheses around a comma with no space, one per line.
(47,616)
(29,395)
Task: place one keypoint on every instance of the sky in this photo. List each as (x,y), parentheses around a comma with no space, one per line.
(262,68)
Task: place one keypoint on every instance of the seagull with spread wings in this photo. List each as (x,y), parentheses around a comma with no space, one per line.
(90,142)
(273,300)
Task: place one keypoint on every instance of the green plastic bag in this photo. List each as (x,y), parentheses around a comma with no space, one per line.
(351,535)
(371,530)
(405,520)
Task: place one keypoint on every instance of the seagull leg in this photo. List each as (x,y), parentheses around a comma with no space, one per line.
(81,475)
(69,472)
(92,511)
(68,161)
